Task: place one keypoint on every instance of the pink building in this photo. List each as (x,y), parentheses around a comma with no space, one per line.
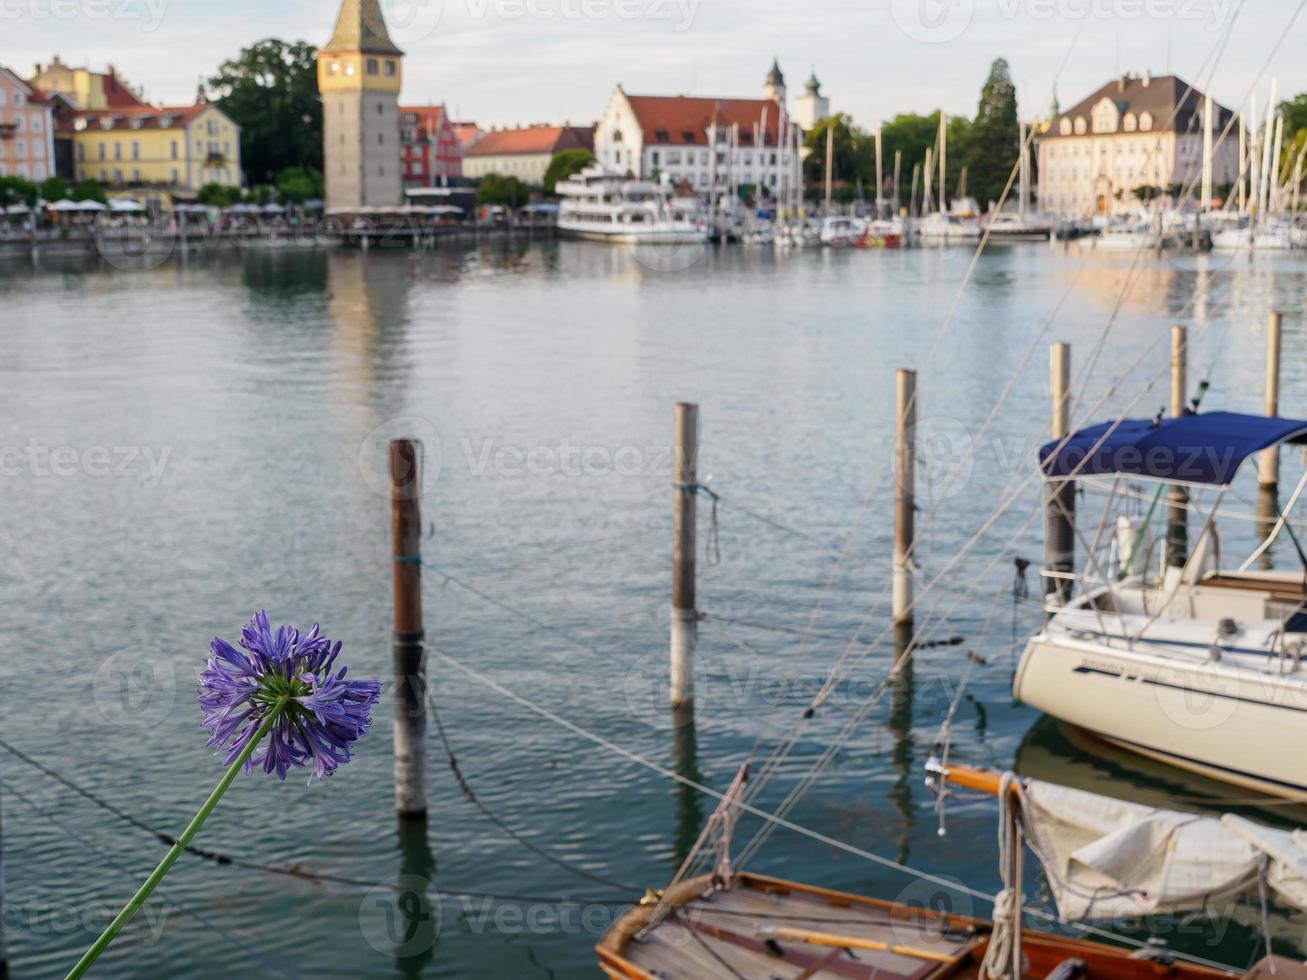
(26,130)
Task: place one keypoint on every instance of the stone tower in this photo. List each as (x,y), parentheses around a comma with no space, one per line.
(774,87)
(359,76)
(811,107)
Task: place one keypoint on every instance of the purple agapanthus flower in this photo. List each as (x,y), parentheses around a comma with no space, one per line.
(323,711)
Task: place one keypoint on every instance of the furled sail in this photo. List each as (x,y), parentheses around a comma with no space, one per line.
(1107,858)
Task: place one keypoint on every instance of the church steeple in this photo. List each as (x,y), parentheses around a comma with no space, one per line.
(774,87)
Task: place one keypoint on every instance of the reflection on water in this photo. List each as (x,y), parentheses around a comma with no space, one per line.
(689,805)
(273,377)
(1060,753)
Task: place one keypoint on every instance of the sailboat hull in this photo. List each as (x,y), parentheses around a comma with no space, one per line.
(1228,723)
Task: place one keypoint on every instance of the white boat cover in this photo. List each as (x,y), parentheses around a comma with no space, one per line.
(1107,858)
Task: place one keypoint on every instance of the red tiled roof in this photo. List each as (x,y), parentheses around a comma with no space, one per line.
(428,116)
(117,95)
(150,116)
(532,140)
(685,119)
(467,132)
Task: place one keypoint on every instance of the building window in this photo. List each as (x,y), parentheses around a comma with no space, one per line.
(36,124)
(81,151)
(1081,126)
(381,108)
(136,150)
(372,66)
(174,175)
(381,139)
(349,68)
(333,68)
(18,122)
(653,157)
(20,148)
(100,147)
(117,151)
(390,68)
(174,150)
(136,176)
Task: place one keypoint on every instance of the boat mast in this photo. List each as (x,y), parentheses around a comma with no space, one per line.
(943,144)
(1273,192)
(1264,194)
(1243,164)
(928,171)
(1024,196)
(830,159)
(1206,201)
(880,178)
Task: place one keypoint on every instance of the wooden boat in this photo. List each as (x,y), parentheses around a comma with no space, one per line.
(745,926)
(762,927)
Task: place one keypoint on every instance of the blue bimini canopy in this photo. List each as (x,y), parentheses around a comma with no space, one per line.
(1199,449)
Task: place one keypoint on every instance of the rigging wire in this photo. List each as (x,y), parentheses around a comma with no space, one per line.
(486,812)
(87,846)
(289,871)
(833,842)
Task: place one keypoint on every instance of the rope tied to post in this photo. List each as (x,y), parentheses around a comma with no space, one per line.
(712,550)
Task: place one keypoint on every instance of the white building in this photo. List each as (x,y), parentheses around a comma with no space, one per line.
(1134,132)
(524,152)
(811,107)
(704,142)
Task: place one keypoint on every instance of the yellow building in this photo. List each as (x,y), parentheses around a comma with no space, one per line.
(84,88)
(166,148)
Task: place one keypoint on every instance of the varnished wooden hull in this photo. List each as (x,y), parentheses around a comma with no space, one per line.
(726,936)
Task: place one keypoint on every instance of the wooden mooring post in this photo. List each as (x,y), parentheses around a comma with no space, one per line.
(409,661)
(905,466)
(1268,464)
(1060,498)
(685,620)
(1177,519)
(4,948)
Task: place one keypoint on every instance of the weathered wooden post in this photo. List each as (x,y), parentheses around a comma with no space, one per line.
(1268,465)
(685,620)
(905,466)
(409,663)
(4,949)
(1060,497)
(1177,523)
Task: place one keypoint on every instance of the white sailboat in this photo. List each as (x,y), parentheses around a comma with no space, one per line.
(1197,666)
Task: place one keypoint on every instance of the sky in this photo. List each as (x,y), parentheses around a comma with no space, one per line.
(509,62)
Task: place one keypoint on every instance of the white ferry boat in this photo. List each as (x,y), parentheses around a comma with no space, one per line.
(600,205)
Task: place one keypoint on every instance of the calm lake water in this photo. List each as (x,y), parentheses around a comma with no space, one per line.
(189,444)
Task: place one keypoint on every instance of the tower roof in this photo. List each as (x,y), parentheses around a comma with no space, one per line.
(361,27)
(774,77)
(813,86)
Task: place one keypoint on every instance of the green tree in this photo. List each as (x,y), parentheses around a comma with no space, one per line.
(88,190)
(498,189)
(563,164)
(295,185)
(1295,114)
(17,190)
(271,92)
(911,135)
(854,151)
(994,136)
(54,188)
(218,195)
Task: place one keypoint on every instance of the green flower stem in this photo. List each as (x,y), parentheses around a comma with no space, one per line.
(142,893)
